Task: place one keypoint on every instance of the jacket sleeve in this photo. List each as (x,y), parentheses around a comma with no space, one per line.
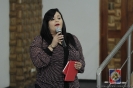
(38,55)
(77,54)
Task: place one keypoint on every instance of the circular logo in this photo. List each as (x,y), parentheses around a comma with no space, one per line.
(115,76)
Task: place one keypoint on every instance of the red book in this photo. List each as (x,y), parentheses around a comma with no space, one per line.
(70,71)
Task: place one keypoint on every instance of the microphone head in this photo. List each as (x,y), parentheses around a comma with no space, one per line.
(58,29)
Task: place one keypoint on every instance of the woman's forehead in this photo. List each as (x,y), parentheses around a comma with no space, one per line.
(57,14)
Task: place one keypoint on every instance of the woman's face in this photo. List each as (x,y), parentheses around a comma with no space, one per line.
(55,22)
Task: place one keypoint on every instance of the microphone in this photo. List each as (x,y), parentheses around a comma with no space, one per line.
(63,42)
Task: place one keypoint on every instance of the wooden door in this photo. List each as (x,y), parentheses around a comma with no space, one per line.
(116,16)
(130,22)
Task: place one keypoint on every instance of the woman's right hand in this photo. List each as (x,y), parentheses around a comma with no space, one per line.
(58,38)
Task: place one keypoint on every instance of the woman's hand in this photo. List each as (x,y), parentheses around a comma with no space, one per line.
(78,65)
(57,39)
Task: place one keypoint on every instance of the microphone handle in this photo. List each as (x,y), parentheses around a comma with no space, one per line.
(64,43)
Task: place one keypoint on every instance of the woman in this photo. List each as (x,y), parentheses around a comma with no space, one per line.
(50,56)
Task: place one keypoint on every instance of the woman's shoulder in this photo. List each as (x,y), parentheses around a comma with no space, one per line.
(70,35)
(37,38)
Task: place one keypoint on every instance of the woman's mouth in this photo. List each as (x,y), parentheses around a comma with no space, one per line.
(57,24)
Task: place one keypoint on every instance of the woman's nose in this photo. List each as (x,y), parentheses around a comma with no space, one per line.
(56,20)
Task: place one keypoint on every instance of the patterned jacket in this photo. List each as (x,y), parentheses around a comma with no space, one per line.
(50,66)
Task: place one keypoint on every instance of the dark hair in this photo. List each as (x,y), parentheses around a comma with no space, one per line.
(45,32)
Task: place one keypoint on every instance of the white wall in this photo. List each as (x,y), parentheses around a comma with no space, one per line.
(4,43)
(82,19)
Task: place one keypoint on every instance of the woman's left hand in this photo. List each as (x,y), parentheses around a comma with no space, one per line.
(78,65)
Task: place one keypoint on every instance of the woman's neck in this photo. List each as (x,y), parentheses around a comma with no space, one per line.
(53,34)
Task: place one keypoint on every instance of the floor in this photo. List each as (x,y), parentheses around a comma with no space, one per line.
(90,84)
(93,84)
(87,83)
(83,84)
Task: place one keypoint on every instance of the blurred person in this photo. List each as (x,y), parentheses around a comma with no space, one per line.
(50,56)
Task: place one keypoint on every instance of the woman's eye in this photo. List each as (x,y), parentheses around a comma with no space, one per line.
(59,18)
(52,19)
